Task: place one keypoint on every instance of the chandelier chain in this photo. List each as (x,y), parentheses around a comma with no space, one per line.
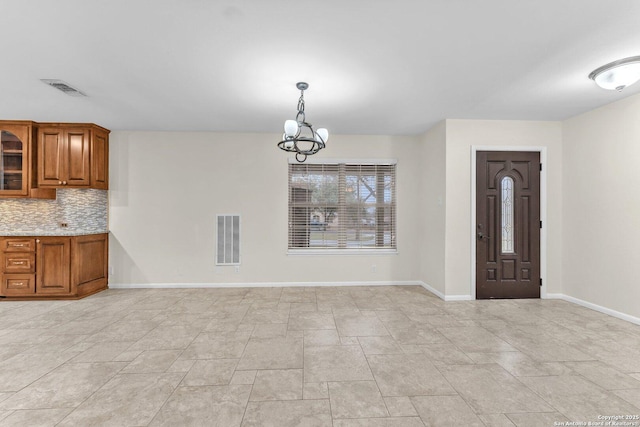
(301,114)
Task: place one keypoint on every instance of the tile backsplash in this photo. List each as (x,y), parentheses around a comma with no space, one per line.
(85,211)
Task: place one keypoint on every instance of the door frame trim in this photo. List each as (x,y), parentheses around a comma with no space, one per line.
(543,210)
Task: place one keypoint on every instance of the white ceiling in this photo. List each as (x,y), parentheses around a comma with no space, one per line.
(374,66)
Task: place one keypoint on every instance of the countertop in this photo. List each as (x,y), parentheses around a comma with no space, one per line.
(49,232)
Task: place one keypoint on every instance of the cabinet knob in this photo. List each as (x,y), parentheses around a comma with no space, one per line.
(64,182)
(59,182)
(37,240)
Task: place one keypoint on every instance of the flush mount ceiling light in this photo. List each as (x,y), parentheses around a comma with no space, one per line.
(618,74)
(299,136)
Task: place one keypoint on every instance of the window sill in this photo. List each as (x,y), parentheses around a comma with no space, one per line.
(316,252)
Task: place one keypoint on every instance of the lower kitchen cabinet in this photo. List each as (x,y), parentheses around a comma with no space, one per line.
(53,266)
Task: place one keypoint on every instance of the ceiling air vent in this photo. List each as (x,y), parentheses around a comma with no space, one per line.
(64,87)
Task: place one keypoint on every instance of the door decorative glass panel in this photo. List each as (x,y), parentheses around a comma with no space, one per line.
(507,215)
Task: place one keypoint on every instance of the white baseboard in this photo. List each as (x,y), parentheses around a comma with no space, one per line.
(433,290)
(257,284)
(602,309)
(445,297)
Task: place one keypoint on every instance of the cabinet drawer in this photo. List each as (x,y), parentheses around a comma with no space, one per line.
(19,263)
(18,284)
(19,245)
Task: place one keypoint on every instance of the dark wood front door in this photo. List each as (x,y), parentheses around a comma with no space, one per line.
(507,224)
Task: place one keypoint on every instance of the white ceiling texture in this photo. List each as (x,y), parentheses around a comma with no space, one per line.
(374,66)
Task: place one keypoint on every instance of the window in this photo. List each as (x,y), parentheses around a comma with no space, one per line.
(342,206)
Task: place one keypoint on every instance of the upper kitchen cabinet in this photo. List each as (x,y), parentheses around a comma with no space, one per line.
(72,155)
(17,161)
(100,159)
(14,150)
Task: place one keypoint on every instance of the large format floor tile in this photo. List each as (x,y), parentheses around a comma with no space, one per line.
(357,325)
(489,389)
(475,339)
(603,375)
(65,387)
(445,411)
(128,399)
(167,338)
(22,369)
(34,418)
(209,405)
(578,398)
(380,356)
(285,384)
(288,413)
(356,399)
(272,353)
(335,363)
(210,372)
(380,422)
(217,345)
(407,375)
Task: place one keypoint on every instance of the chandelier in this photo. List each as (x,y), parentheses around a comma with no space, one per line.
(299,136)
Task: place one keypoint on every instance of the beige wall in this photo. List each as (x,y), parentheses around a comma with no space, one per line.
(167,187)
(432,207)
(601,187)
(461,135)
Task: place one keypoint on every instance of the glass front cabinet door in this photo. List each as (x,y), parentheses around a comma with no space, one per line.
(14,156)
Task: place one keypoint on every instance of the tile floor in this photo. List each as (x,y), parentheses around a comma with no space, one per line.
(342,357)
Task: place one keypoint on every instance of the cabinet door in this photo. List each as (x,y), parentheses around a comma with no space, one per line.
(53,266)
(14,155)
(90,263)
(100,160)
(64,157)
(51,157)
(78,145)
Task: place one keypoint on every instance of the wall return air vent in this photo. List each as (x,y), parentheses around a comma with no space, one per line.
(228,240)
(63,86)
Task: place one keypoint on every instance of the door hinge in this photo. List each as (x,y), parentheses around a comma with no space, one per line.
(540,282)
(540,166)
(540,224)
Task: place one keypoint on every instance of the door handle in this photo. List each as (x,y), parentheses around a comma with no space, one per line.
(482,236)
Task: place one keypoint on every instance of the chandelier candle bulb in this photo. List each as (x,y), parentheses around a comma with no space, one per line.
(323,134)
(290,128)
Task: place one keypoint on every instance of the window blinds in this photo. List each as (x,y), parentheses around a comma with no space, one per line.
(342,206)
